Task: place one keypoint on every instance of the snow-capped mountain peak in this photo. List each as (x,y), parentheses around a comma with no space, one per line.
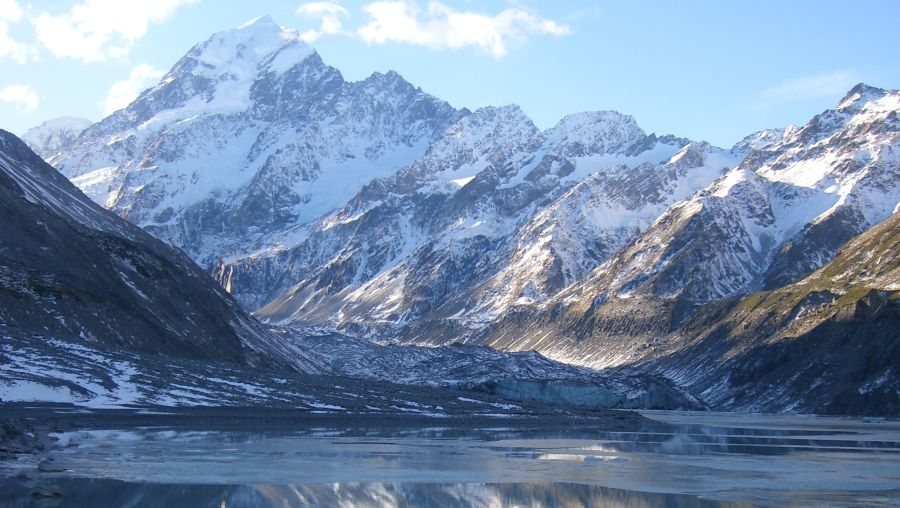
(253,132)
(218,74)
(48,138)
(859,96)
(242,50)
(761,140)
(594,132)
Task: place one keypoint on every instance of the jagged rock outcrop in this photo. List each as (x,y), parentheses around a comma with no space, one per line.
(457,238)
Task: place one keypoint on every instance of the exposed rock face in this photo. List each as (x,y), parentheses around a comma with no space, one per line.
(53,136)
(69,268)
(94,310)
(17,436)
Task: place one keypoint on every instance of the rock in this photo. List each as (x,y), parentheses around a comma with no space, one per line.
(49,466)
(46,490)
(17,437)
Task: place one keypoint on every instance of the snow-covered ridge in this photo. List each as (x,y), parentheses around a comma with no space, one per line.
(231,61)
(254,133)
(48,138)
(478,222)
(384,212)
(782,213)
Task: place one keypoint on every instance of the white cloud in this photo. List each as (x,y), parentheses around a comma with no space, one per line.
(11,12)
(809,87)
(329,16)
(441,27)
(23,97)
(100,29)
(121,93)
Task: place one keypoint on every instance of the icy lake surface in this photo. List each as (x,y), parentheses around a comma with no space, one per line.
(700,459)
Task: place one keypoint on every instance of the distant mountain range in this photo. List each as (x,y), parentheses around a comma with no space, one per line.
(95,311)
(375,210)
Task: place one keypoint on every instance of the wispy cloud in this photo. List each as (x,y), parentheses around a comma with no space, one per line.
(437,26)
(329,16)
(121,93)
(100,29)
(23,97)
(808,87)
(441,27)
(11,12)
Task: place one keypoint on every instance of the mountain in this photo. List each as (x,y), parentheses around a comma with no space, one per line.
(454,238)
(374,210)
(250,133)
(70,269)
(94,310)
(307,194)
(781,214)
(827,344)
(53,136)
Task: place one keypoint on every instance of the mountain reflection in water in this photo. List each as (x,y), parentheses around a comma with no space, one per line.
(680,459)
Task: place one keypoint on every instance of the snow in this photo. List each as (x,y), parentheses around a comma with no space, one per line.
(99,185)
(588,165)
(49,137)
(462,182)
(804,173)
(197,141)
(257,41)
(30,391)
(320,405)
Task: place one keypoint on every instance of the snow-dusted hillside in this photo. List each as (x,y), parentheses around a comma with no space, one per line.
(781,214)
(250,133)
(825,344)
(52,136)
(72,270)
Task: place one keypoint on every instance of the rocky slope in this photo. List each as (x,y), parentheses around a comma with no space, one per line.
(249,133)
(375,210)
(53,136)
(372,205)
(69,268)
(490,218)
(782,213)
(525,376)
(95,311)
(827,344)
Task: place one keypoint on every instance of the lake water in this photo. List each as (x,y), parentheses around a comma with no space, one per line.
(689,459)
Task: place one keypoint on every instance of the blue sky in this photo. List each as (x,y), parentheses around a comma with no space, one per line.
(707,70)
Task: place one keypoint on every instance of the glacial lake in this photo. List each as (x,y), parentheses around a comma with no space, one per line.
(688,459)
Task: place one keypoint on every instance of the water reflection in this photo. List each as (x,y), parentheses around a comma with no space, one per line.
(698,458)
(99,493)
